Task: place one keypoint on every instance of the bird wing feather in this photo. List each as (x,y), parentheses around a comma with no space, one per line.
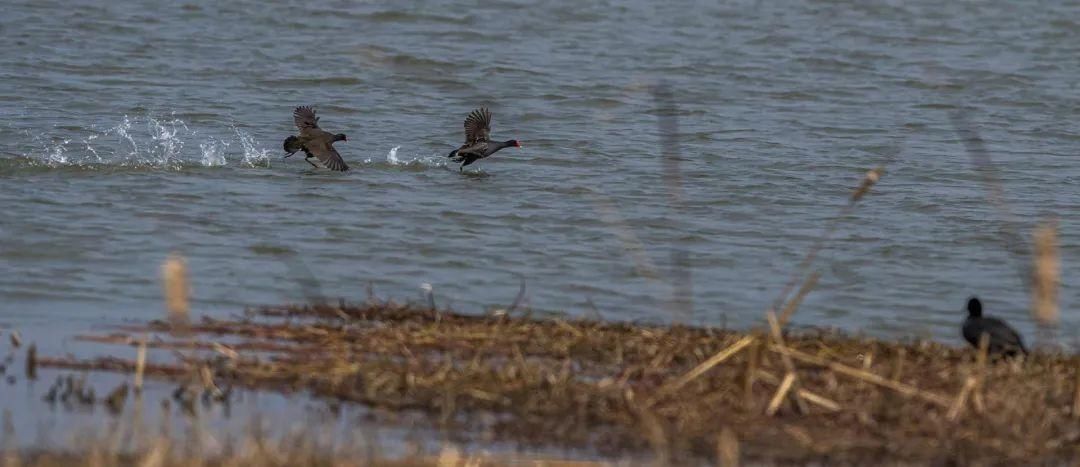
(329,156)
(477,126)
(304,117)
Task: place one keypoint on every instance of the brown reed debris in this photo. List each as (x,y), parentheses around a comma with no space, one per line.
(581,384)
(865,376)
(785,385)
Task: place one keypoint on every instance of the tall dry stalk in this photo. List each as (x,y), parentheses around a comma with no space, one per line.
(995,189)
(868,181)
(1045,275)
(682,285)
(174,277)
(31,362)
(140,365)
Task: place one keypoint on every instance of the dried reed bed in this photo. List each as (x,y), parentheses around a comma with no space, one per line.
(673,393)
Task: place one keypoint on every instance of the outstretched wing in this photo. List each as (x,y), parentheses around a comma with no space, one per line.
(328,156)
(305,118)
(477,126)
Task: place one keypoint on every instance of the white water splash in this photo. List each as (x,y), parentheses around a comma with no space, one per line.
(89,143)
(166,145)
(393,159)
(122,131)
(57,154)
(148,142)
(213,152)
(253,156)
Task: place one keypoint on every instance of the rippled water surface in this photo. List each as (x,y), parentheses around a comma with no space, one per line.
(132,129)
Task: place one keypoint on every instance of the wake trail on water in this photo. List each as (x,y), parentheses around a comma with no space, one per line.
(147,142)
(416,162)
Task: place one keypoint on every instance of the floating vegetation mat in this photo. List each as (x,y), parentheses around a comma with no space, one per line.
(672,394)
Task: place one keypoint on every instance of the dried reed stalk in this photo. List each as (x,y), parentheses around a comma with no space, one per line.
(984,166)
(861,375)
(31,362)
(175,284)
(793,304)
(872,176)
(961,399)
(781,394)
(778,339)
(868,181)
(751,372)
(980,373)
(812,397)
(1046,275)
(668,119)
(140,365)
(705,366)
(821,401)
(727,448)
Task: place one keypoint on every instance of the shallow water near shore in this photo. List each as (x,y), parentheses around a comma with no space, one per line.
(133,130)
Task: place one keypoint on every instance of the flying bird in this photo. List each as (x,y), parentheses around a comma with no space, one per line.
(314,141)
(1004,339)
(477,145)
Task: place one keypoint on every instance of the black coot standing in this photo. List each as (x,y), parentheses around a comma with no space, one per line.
(1004,339)
(314,141)
(477,145)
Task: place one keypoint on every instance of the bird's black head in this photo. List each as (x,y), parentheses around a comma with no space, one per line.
(513,143)
(340,137)
(974,307)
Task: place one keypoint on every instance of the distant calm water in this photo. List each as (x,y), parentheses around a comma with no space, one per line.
(133,129)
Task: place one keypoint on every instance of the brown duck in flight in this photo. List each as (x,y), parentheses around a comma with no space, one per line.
(314,141)
(477,146)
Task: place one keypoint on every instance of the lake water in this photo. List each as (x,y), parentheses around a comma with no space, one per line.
(133,129)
